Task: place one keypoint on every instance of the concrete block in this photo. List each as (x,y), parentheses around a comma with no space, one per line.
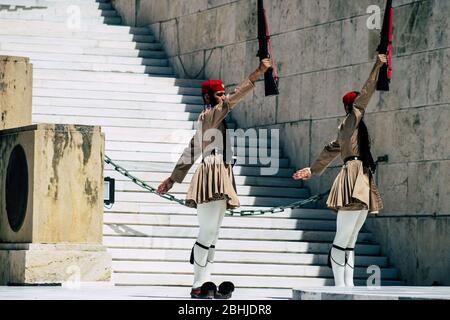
(64,166)
(53,264)
(16,76)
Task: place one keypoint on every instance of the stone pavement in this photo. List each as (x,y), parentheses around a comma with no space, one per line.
(366,293)
(109,292)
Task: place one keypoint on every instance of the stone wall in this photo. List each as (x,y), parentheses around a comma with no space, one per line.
(323,49)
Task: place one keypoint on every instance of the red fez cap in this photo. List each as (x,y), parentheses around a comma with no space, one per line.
(350,98)
(214,85)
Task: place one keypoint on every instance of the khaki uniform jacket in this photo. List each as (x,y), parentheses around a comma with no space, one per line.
(354,187)
(213,179)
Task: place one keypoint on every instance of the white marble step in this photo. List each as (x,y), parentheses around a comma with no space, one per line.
(239,280)
(225,233)
(162,88)
(114,122)
(268,246)
(183,136)
(104,4)
(86,66)
(15,26)
(173,158)
(67,84)
(228,268)
(66,33)
(114,104)
(83,43)
(113,77)
(241,181)
(44,48)
(178,148)
(155,167)
(242,189)
(231,222)
(121,96)
(176,209)
(126,68)
(120,114)
(92,20)
(274,258)
(58,13)
(146,197)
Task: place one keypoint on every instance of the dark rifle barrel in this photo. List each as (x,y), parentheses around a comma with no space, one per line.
(271,85)
(383,48)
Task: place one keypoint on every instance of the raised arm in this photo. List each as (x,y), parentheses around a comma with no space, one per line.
(246,86)
(362,101)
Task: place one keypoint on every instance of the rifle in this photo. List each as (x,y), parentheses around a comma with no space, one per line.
(385,47)
(265,51)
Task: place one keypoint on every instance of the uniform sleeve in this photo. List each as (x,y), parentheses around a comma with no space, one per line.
(188,158)
(362,101)
(221,111)
(328,154)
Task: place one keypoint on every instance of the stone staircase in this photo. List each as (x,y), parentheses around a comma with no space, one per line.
(119,77)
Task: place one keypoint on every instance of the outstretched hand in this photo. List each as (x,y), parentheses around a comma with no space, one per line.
(165,186)
(304,174)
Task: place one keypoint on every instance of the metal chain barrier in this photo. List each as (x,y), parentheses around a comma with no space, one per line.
(243,213)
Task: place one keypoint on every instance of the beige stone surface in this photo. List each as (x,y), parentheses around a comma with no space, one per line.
(65,169)
(52,264)
(16,76)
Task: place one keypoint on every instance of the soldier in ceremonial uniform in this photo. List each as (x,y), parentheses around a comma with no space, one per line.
(354,193)
(212,189)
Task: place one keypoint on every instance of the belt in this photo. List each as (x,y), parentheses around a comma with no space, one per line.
(213,152)
(351,158)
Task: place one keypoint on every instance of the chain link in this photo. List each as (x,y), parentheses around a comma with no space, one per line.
(242,213)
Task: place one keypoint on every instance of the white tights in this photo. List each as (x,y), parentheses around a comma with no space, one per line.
(349,223)
(210,217)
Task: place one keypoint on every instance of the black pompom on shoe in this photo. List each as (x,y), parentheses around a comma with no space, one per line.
(226,290)
(207,291)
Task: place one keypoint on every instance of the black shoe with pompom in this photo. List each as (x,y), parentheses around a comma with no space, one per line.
(207,291)
(225,291)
